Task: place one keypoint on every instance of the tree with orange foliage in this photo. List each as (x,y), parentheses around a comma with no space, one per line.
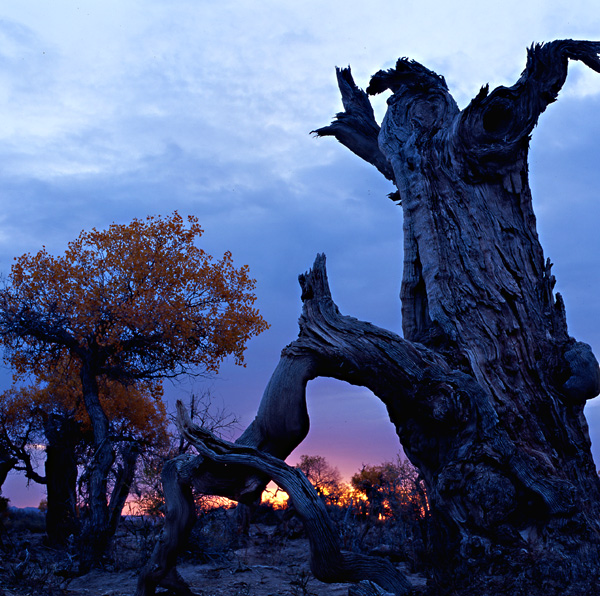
(53,418)
(33,419)
(132,304)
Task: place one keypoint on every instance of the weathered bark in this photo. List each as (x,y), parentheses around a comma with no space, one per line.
(478,292)
(179,520)
(367,588)
(62,433)
(486,389)
(356,126)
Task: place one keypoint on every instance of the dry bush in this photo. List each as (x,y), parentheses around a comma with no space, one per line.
(28,566)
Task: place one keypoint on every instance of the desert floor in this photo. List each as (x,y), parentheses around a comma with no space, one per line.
(265,565)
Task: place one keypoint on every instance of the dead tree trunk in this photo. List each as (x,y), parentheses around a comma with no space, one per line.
(486,389)
(514,489)
(62,433)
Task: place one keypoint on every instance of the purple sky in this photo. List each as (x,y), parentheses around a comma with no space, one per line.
(125,109)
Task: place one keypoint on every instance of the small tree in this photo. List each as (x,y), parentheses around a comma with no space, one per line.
(21,431)
(326,479)
(53,417)
(206,413)
(392,489)
(395,502)
(131,304)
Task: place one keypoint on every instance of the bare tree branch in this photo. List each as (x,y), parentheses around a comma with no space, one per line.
(356,127)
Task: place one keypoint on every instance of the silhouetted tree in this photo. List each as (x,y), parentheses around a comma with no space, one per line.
(325,478)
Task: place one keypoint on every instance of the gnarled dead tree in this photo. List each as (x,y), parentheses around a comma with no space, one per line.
(486,388)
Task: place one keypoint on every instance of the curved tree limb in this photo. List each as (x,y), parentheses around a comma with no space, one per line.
(495,126)
(441,414)
(414,382)
(328,562)
(281,422)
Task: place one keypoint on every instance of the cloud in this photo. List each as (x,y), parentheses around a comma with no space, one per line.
(118,110)
(565,185)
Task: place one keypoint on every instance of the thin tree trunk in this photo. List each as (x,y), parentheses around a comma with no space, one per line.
(121,490)
(96,530)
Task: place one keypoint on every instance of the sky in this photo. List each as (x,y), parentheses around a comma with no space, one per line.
(120,109)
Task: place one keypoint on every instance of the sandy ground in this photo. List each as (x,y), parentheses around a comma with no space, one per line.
(268,565)
(251,571)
